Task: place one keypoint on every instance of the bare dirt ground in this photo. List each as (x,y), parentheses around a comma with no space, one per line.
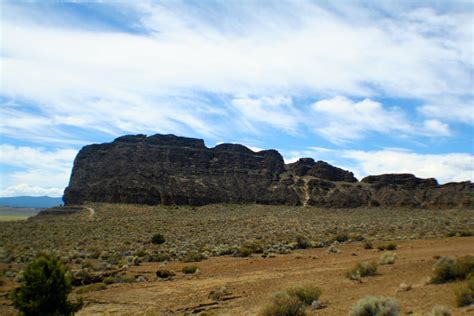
(252,281)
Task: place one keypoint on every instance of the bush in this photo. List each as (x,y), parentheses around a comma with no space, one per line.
(362,269)
(389,246)
(249,247)
(157,239)
(302,242)
(368,245)
(465,294)
(293,301)
(194,256)
(342,237)
(376,306)
(165,274)
(44,289)
(447,269)
(284,305)
(460,233)
(357,237)
(157,257)
(305,293)
(387,258)
(219,293)
(244,251)
(189,269)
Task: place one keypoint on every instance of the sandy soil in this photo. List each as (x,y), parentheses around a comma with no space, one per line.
(253,280)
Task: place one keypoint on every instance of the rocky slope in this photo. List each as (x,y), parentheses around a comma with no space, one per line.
(166,169)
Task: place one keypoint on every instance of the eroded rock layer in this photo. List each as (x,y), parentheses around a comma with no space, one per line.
(166,169)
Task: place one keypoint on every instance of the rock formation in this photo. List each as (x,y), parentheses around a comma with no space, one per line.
(166,169)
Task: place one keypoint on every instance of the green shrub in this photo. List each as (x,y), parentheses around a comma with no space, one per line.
(157,257)
(362,269)
(302,242)
(140,253)
(447,269)
(44,289)
(244,251)
(389,246)
(376,306)
(189,269)
(342,237)
(194,256)
(219,293)
(293,301)
(460,233)
(387,258)
(368,245)
(249,247)
(305,293)
(158,239)
(109,280)
(465,294)
(284,305)
(165,274)
(357,237)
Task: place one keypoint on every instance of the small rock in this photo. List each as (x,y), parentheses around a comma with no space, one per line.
(333,249)
(404,287)
(315,305)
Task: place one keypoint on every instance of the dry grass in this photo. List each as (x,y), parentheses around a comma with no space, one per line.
(117,233)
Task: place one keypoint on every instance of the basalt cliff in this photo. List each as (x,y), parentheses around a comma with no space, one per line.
(167,169)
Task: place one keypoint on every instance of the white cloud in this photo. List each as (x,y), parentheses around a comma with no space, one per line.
(340,119)
(444,167)
(28,157)
(277,111)
(435,127)
(228,69)
(35,170)
(451,109)
(107,80)
(25,189)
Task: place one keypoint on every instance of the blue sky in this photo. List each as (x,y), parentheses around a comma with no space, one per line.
(371,86)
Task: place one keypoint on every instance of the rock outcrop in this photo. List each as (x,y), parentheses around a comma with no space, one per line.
(166,169)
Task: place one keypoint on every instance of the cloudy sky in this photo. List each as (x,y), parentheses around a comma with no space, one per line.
(370,86)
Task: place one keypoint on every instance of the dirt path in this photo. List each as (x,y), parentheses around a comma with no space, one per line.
(252,281)
(91,213)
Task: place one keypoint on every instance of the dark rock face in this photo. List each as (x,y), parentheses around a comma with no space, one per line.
(166,169)
(173,170)
(321,170)
(401,180)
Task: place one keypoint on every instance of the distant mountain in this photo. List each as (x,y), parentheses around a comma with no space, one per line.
(31,201)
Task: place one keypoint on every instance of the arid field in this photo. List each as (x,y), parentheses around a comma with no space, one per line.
(244,253)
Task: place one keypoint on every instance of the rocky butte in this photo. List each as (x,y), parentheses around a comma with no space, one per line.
(167,169)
